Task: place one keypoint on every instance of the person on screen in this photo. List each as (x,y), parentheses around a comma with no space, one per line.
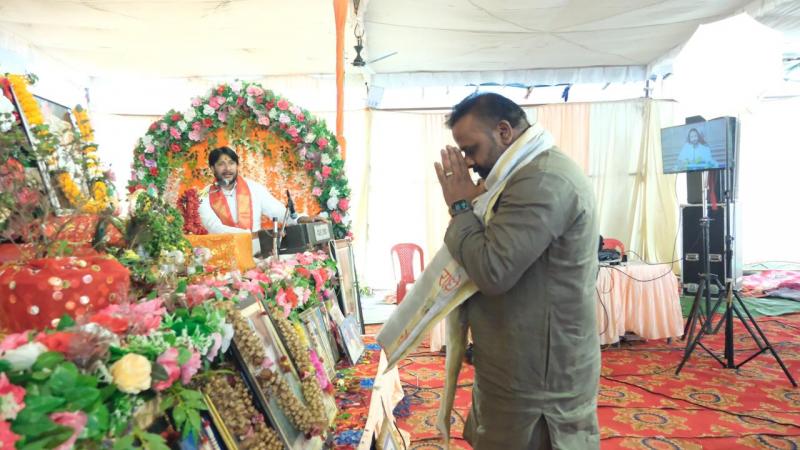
(695,153)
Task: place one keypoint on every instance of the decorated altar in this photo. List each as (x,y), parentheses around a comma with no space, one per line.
(144,331)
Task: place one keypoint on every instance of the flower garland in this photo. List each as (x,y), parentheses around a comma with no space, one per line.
(165,146)
(100,199)
(189,206)
(29,106)
(87,139)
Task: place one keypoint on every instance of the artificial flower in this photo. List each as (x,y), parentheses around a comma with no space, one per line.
(344,204)
(283,105)
(169,361)
(174,132)
(326,171)
(322,142)
(263,120)
(56,342)
(216,344)
(316,192)
(11,399)
(336,217)
(208,110)
(227,337)
(284,119)
(13,341)
(322,376)
(196,101)
(282,299)
(191,367)
(75,420)
(131,373)
(292,131)
(332,202)
(8,439)
(23,357)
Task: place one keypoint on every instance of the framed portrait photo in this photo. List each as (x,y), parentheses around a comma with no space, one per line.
(349,296)
(350,333)
(318,339)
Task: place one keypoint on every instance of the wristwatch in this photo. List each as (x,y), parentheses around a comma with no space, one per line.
(459,207)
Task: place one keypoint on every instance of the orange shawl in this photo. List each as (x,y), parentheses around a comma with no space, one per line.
(244,205)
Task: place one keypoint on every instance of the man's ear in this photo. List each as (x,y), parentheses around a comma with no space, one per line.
(506,132)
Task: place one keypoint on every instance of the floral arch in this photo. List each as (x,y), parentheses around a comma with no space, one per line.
(279,144)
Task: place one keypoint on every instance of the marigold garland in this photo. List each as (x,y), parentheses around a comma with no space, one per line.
(99,201)
(28,104)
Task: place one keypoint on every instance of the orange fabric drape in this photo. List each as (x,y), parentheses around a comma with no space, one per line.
(340,14)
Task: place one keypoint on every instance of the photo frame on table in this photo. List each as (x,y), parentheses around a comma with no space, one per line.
(318,339)
(349,295)
(330,329)
(259,321)
(214,430)
(351,338)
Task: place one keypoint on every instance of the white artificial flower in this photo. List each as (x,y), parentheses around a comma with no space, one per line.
(273,114)
(333,192)
(23,357)
(236,86)
(333,202)
(324,214)
(182,125)
(190,114)
(147,140)
(227,337)
(5,126)
(310,138)
(208,110)
(346,219)
(326,160)
(6,107)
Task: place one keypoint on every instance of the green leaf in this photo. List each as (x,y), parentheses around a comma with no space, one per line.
(47,439)
(181,289)
(166,403)
(98,421)
(192,395)
(124,443)
(47,360)
(32,423)
(64,377)
(65,322)
(5,366)
(179,414)
(87,380)
(152,441)
(194,423)
(183,355)
(159,373)
(40,375)
(42,404)
(80,398)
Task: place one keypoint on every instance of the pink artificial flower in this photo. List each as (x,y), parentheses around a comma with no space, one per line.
(198,293)
(337,218)
(293,131)
(13,341)
(305,258)
(322,376)
(196,102)
(169,361)
(149,148)
(221,100)
(301,117)
(222,116)
(322,142)
(27,196)
(254,91)
(164,126)
(191,367)
(195,135)
(318,176)
(213,102)
(249,286)
(146,317)
(344,204)
(257,275)
(8,439)
(175,133)
(284,119)
(319,279)
(11,399)
(283,105)
(263,120)
(326,171)
(197,125)
(294,110)
(75,420)
(316,192)
(302,153)
(214,350)
(283,301)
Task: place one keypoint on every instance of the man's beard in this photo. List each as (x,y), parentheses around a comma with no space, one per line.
(227,183)
(481,171)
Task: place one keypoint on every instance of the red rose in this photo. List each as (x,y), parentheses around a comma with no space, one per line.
(56,342)
(134,188)
(308,165)
(115,324)
(260,99)
(176,117)
(207,122)
(344,204)
(175,148)
(240,101)
(291,296)
(337,218)
(303,272)
(322,142)
(270,105)
(154,171)
(283,105)
(326,171)
(153,126)
(301,117)
(220,89)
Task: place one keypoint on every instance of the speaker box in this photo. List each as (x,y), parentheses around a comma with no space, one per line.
(693,245)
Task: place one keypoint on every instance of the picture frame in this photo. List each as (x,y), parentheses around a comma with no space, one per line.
(351,339)
(349,295)
(330,329)
(214,428)
(259,321)
(318,339)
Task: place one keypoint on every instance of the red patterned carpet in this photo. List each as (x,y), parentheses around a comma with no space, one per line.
(643,405)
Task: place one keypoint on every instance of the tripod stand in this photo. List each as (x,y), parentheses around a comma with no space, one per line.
(728,293)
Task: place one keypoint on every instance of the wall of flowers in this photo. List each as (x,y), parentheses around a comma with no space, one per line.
(280,145)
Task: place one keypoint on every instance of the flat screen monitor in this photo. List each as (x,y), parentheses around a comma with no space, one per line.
(698,146)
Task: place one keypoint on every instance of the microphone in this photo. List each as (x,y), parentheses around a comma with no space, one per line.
(290,206)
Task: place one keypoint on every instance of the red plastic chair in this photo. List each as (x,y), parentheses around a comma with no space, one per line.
(405,254)
(614,244)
